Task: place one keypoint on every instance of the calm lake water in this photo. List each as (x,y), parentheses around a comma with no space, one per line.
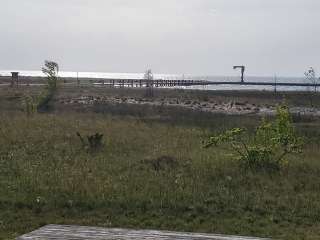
(183,76)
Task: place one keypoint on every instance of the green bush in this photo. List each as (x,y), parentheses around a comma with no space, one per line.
(43,100)
(30,104)
(266,150)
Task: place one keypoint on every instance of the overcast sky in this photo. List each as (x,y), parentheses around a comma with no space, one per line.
(168,36)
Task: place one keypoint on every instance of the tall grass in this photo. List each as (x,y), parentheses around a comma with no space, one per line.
(147,175)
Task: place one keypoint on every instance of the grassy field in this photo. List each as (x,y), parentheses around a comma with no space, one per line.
(148,175)
(152,172)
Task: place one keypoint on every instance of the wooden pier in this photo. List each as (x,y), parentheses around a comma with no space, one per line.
(147,83)
(61,232)
(121,83)
(190,82)
(156,83)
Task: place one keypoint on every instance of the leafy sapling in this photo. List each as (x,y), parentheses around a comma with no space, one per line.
(267,148)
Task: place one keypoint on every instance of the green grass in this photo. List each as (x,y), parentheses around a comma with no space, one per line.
(150,174)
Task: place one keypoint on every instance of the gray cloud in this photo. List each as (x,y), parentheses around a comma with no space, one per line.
(170,36)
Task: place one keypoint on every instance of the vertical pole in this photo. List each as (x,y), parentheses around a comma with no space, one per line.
(242,74)
(78,82)
(275,83)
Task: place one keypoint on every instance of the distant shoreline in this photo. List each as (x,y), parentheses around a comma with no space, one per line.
(211,85)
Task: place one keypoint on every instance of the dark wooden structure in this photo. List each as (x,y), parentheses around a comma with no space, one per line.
(60,232)
(14,78)
(147,83)
(190,82)
(155,83)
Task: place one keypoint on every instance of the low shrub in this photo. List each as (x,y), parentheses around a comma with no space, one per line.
(92,143)
(267,148)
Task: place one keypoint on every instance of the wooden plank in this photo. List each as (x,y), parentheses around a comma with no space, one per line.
(65,232)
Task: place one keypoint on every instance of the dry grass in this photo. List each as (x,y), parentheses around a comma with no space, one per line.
(149,174)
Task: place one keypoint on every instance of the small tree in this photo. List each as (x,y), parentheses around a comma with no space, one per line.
(148,76)
(310,75)
(269,145)
(51,70)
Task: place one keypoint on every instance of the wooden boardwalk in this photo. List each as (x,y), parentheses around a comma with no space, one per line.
(149,83)
(141,83)
(190,82)
(63,232)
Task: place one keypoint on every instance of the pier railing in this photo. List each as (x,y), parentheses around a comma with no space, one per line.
(190,82)
(148,83)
